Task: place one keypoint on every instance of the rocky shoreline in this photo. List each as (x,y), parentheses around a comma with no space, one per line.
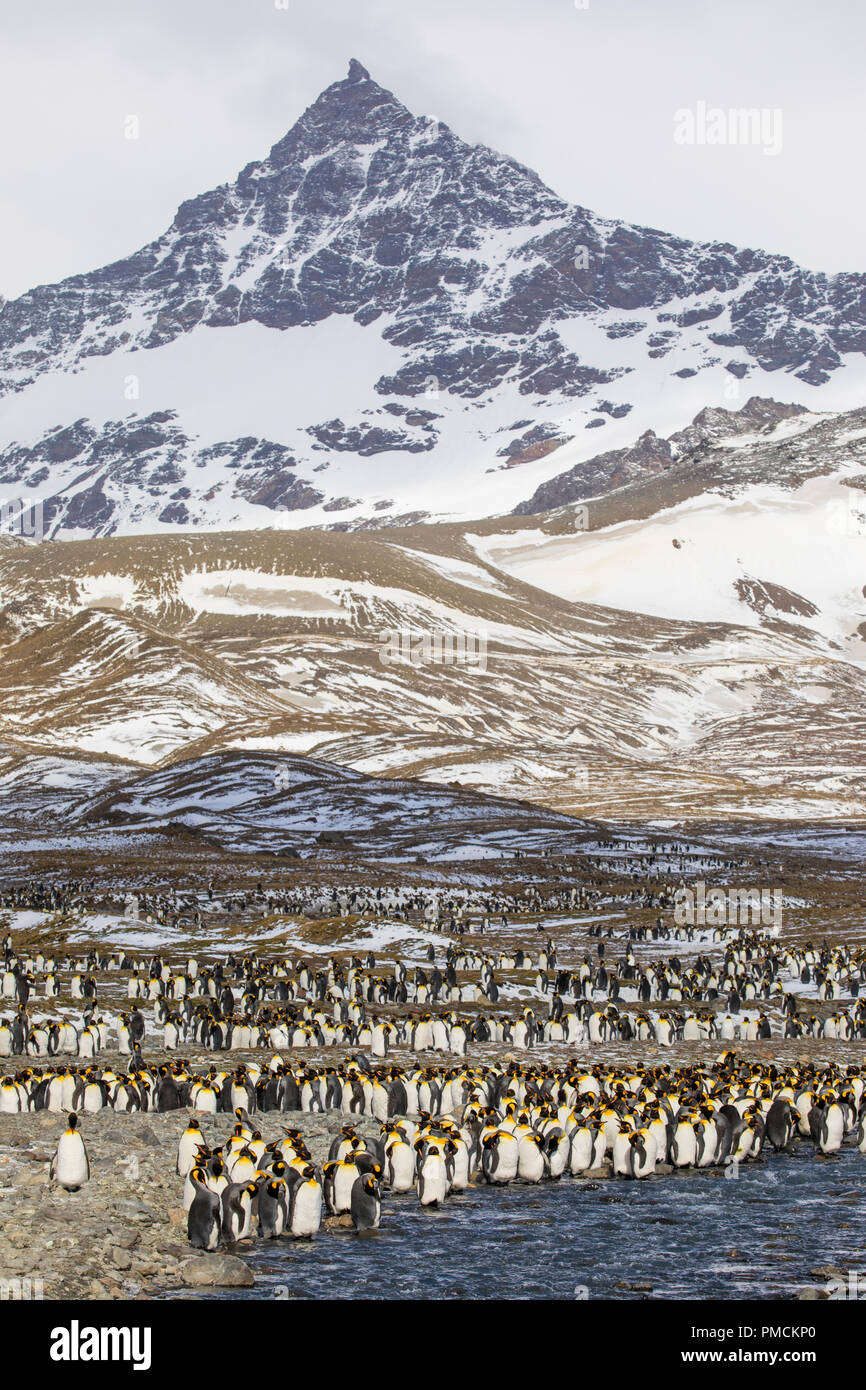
(122,1235)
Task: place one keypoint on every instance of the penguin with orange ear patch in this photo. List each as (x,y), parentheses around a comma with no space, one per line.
(366,1203)
(273,1208)
(237,1210)
(204,1219)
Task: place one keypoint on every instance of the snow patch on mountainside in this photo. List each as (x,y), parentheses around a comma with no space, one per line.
(473,576)
(250,380)
(237,592)
(687,561)
(106,591)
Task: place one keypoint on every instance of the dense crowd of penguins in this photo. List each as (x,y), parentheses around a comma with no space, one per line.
(280,1003)
(442,1129)
(444,1124)
(450,911)
(440,908)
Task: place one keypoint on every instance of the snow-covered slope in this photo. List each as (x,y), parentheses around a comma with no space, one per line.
(278,644)
(713,559)
(40,790)
(757,517)
(103,683)
(379,320)
(265,801)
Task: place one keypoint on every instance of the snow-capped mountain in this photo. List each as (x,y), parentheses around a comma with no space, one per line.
(378,322)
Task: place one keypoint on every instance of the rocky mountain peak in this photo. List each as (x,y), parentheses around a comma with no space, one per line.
(355,111)
(357,72)
(471,286)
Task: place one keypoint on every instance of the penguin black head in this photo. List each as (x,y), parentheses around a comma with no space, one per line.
(72,1121)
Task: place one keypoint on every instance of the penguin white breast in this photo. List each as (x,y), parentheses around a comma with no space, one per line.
(71,1162)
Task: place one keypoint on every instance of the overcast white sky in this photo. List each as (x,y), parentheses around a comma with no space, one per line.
(584,96)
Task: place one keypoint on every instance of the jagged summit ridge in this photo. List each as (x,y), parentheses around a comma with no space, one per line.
(356,110)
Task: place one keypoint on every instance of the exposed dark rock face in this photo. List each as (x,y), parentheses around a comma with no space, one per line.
(597,475)
(534,444)
(150,455)
(373,440)
(713,423)
(764,596)
(653,455)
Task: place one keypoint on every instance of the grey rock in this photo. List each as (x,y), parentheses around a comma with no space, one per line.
(123,1238)
(216,1271)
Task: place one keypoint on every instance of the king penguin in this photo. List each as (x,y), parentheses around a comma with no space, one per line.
(366,1203)
(70,1165)
(204,1219)
(191,1141)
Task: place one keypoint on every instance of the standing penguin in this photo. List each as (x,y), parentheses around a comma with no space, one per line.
(167,1092)
(273,1208)
(399,1165)
(432,1180)
(779,1124)
(340,1179)
(305,1205)
(642,1154)
(237,1210)
(190,1142)
(204,1220)
(532,1163)
(366,1203)
(70,1165)
(499,1157)
(832,1128)
(684,1143)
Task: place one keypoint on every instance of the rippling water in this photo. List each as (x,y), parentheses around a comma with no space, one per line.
(694,1235)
